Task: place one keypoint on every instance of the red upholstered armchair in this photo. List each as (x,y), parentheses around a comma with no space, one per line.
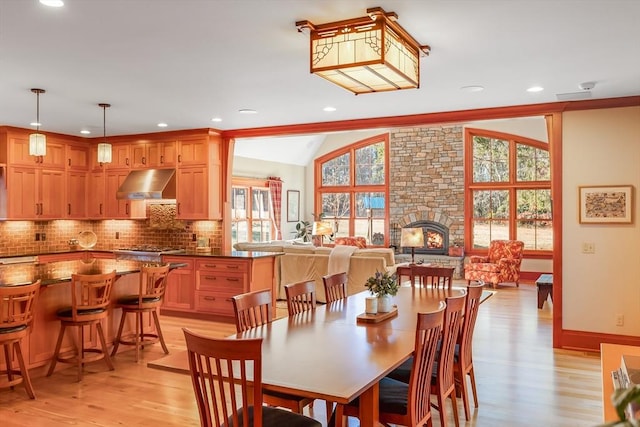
(501,265)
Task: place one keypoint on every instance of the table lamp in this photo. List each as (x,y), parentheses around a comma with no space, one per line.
(412,238)
(322,228)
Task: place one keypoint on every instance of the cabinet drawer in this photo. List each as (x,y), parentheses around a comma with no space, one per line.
(221,265)
(189,261)
(215,302)
(214,281)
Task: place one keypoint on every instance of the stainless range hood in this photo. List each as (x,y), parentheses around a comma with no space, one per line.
(148,184)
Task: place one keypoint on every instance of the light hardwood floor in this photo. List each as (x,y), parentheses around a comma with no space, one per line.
(521,380)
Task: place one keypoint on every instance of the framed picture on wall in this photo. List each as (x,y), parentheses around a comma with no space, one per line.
(606,204)
(293,206)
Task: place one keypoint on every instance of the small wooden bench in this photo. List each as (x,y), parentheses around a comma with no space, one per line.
(545,288)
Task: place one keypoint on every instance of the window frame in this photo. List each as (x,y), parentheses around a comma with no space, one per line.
(512,186)
(352,188)
(251,184)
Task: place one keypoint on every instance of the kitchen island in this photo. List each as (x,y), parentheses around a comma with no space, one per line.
(199,285)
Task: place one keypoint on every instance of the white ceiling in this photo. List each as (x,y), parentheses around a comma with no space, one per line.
(184,62)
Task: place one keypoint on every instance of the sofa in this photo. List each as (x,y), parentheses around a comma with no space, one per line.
(301,261)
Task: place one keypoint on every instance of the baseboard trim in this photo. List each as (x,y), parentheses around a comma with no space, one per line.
(590,341)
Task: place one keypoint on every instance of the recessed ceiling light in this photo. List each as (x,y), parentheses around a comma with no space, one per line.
(216,119)
(52,3)
(473,88)
(162,125)
(85,132)
(247,111)
(329,109)
(534,89)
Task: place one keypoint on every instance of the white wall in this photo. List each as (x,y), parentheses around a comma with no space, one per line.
(293,178)
(601,147)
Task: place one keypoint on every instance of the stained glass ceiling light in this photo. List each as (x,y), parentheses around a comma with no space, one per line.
(368,54)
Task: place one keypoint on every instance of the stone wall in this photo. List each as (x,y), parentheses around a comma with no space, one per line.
(426,166)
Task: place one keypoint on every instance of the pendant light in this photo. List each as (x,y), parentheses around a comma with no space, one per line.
(37,141)
(104,148)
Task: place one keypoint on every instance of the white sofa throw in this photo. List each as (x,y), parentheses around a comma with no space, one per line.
(339,259)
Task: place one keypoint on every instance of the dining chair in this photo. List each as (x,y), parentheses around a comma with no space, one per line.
(254,309)
(463,357)
(152,285)
(335,286)
(436,277)
(17,306)
(90,299)
(409,404)
(226,375)
(301,296)
(442,381)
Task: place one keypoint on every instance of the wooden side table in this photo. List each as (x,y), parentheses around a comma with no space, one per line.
(545,288)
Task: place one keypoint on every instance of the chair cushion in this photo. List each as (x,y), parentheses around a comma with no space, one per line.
(393,396)
(133,300)
(13,329)
(403,372)
(274,417)
(67,312)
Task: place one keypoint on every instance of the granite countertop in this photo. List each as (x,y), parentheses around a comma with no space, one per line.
(215,253)
(60,272)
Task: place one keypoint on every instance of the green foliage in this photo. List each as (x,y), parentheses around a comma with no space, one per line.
(621,399)
(303,231)
(382,284)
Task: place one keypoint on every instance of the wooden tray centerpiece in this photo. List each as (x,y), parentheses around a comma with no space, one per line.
(378,317)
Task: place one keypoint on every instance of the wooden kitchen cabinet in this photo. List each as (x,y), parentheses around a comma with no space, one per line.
(217,280)
(76,194)
(180,292)
(78,157)
(120,157)
(96,195)
(35,193)
(120,208)
(18,147)
(159,154)
(193,151)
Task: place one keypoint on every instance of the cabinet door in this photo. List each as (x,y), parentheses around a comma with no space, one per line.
(77,194)
(78,157)
(56,155)
(120,209)
(22,195)
(180,292)
(138,155)
(51,188)
(193,152)
(19,151)
(120,157)
(192,193)
(115,208)
(96,195)
(161,154)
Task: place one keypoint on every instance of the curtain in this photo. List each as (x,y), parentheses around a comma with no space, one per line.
(275,209)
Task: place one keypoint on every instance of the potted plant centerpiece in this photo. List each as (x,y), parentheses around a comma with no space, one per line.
(384,286)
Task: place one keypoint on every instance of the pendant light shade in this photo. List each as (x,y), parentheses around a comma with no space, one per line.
(104,148)
(37,141)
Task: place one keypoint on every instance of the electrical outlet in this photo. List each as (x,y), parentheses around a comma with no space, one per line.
(619,319)
(37,237)
(117,234)
(588,248)
(194,237)
(44,236)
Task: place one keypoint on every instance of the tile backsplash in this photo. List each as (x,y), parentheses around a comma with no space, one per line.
(32,237)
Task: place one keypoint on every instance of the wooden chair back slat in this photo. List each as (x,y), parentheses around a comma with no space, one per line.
(252,309)
(17,304)
(335,286)
(301,296)
(436,277)
(90,292)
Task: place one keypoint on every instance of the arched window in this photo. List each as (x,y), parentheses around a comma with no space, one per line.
(352,190)
(508,190)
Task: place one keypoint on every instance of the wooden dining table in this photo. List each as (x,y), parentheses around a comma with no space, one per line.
(328,354)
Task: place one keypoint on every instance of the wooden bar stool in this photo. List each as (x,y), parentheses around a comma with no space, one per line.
(17,306)
(153,282)
(90,297)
